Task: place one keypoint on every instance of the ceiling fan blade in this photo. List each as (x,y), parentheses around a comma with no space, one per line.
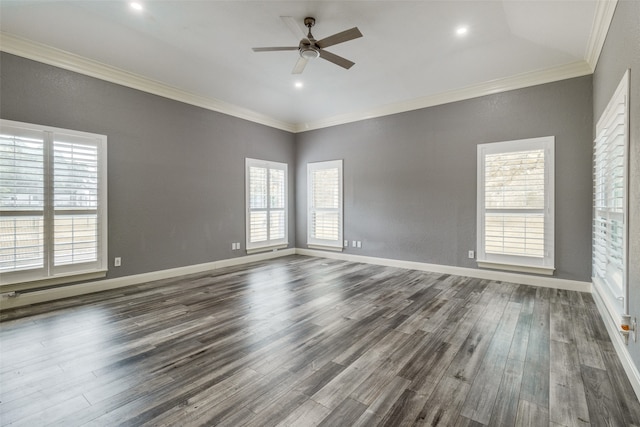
(341,37)
(273,49)
(293,26)
(338,60)
(299,67)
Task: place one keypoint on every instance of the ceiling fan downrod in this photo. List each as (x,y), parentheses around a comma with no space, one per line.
(309,22)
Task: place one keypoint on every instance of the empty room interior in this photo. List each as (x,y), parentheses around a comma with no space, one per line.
(301,213)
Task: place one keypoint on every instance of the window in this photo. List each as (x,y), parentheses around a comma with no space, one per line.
(515,205)
(324,220)
(266,194)
(610,177)
(53,210)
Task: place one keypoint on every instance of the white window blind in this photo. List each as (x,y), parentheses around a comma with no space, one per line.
(324,221)
(610,199)
(515,205)
(52,202)
(266,192)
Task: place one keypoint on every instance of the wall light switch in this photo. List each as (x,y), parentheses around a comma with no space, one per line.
(117,261)
(359,244)
(353,243)
(346,243)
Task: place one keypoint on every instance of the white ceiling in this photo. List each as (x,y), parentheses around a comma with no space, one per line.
(409,54)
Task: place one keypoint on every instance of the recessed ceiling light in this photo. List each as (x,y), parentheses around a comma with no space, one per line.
(298,85)
(461,31)
(135,5)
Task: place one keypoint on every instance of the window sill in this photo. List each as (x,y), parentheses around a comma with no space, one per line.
(17,284)
(267,248)
(547,271)
(326,248)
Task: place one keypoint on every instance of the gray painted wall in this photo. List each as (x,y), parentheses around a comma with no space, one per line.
(621,51)
(410,178)
(176,176)
(176,172)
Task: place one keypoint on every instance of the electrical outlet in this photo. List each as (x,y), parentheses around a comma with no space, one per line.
(634,330)
(117,261)
(353,243)
(359,244)
(472,254)
(346,243)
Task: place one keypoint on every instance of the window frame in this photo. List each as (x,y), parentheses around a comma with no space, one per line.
(269,244)
(50,273)
(312,241)
(525,264)
(616,295)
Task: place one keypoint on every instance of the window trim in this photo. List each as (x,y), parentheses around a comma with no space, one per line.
(312,242)
(522,264)
(269,244)
(50,274)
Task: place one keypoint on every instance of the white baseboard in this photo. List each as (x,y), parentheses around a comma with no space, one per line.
(52,294)
(102,285)
(618,341)
(524,279)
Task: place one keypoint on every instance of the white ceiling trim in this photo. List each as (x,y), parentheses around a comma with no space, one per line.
(601,23)
(69,61)
(575,69)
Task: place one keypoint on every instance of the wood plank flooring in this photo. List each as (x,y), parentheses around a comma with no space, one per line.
(302,341)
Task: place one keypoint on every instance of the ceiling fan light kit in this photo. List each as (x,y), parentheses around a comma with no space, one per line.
(310,48)
(309,52)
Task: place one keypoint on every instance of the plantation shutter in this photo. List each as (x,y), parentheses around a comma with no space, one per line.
(52,204)
(277,193)
(610,197)
(515,204)
(325,204)
(22,169)
(75,200)
(266,204)
(258,214)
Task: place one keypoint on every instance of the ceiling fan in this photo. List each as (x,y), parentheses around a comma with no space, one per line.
(310,48)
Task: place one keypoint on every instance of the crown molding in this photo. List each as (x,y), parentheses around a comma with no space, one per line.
(599,29)
(69,61)
(567,71)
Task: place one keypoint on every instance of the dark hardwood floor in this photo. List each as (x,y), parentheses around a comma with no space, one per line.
(301,341)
